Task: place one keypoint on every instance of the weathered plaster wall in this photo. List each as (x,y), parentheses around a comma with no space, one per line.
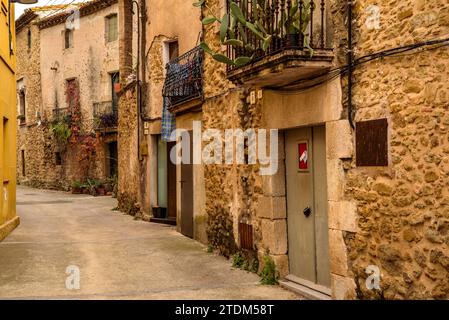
(182,24)
(91,60)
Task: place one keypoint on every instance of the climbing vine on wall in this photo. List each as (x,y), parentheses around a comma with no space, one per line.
(68,131)
(72,95)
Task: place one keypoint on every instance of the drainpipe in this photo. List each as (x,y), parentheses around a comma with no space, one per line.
(350,65)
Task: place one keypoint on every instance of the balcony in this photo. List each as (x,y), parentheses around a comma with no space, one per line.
(184,81)
(300,46)
(61,114)
(105,116)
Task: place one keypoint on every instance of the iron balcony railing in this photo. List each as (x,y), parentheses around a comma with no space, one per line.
(304,29)
(105,115)
(184,77)
(61,114)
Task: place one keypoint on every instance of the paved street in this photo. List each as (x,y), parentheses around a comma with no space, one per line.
(118,257)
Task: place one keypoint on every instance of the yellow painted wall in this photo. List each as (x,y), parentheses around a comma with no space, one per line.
(8,121)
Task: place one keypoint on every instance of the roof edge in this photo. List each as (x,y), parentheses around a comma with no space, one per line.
(28,16)
(85,10)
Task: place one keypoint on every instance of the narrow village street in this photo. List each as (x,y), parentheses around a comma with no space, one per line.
(118,257)
(209,149)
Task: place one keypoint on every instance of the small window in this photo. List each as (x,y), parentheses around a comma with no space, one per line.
(111,28)
(22,105)
(68,38)
(173,50)
(23,163)
(29,38)
(58,159)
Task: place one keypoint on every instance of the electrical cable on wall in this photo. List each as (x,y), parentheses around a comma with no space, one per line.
(300,85)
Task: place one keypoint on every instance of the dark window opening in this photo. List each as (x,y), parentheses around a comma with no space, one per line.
(173,50)
(113,159)
(58,158)
(22,102)
(23,163)
(29,38)
(68,38)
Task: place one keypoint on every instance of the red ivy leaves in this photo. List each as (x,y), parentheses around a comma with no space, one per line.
(87,143)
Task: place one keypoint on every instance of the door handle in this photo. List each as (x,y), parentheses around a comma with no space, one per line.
(307,211)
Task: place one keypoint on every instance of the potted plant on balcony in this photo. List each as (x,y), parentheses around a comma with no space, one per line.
(295,25)
(234,21)
(239,31)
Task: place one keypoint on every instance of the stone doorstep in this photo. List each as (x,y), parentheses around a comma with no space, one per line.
(303,290)
(8,227)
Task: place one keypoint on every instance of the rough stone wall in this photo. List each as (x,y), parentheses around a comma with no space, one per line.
(233,192)
(34,139)
(28,71)
(128,168)
(221,181)
(403,209)
(128,162)
(395,217)
(156,76)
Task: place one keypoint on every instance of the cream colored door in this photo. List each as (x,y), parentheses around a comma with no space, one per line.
(307,205)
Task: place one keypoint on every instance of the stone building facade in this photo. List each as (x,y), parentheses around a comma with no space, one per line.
(368,201)
(401,211)
(74,51)
(154,183)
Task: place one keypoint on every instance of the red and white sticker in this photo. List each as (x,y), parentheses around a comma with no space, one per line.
(303,156)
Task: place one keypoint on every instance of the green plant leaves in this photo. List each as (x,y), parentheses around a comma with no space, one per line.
(266,43)
(206,48)
(269,274)
(241,61)
(242,33)
(224,27)
(61,131)
(234,42)
(235,20)
(199,3)
(254,29)
(208,20)
(223,59)
(237,12)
